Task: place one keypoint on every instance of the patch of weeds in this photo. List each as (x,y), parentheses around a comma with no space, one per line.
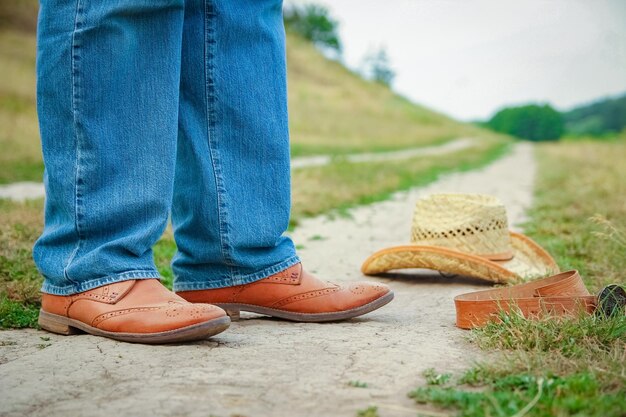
(434,378)
(609,231)
(527,394)
(163,251)
(8,343)
(43,345)
(569,337)
(358,384)
(300,247)
(19,279)
(17,315)
(293,223)
(340,213)
(317,237)
(550,367)
(371,411)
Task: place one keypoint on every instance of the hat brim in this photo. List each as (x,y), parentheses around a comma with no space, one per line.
(529,261)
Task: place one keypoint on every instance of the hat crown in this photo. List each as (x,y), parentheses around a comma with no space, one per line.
(470,223)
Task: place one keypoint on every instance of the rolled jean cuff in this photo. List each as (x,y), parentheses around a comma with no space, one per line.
(234,280)
(99,282)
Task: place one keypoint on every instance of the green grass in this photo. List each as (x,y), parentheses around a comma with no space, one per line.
(553,367)
(20,225)
(371,411)
(570,337)
(580,209)
(164,250)
(526,394)
(558,366)
(17,315)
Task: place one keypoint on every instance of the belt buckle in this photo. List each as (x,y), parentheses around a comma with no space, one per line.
(611,301)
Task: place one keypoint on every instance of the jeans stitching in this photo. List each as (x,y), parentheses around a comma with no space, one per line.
(211,98)
(78,214)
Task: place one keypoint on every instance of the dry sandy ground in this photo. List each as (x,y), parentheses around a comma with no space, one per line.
(262,367)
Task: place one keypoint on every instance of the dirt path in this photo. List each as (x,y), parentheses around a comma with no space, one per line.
(22,191)
(28,190)
(269,368)
(442,149)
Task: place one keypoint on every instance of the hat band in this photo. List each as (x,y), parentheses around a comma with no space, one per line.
(502,256)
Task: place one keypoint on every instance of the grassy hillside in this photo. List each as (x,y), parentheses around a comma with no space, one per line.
(331,109)
(19,135)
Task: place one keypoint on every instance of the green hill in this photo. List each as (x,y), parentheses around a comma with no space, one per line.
(602,117)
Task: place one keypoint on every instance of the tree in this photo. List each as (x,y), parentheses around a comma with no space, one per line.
(532,122)
(376,67)
(313,22)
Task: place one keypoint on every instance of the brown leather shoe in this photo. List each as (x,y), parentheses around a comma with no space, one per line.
(293,294)
(141,311)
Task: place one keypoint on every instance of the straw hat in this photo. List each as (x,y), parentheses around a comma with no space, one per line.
(465,234)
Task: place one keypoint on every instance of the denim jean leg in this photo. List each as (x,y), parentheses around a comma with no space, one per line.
(232,186)
(108,75)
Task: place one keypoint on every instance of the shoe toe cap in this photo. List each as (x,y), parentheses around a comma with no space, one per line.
(368,291)
(193,313)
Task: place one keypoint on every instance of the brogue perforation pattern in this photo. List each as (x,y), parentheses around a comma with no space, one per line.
(198,311)
(282,280)
(306,295)
(111,314)
(357,289)
(100,297)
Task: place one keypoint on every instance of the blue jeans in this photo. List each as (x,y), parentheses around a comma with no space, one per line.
(152,108)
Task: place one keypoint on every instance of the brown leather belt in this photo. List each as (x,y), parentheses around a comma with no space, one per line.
(559,295)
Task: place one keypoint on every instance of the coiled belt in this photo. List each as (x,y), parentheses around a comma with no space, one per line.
(559,295)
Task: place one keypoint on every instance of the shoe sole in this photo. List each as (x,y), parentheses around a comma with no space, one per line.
(234,309)
(67,326)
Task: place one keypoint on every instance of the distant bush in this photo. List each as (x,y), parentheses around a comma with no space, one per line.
(603,117)
(532,122)
(313,22)
(376,67)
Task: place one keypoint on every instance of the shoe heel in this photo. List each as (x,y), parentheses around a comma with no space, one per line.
(233,314)
(56,324)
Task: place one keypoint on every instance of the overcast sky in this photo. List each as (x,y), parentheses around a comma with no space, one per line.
(468,58)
